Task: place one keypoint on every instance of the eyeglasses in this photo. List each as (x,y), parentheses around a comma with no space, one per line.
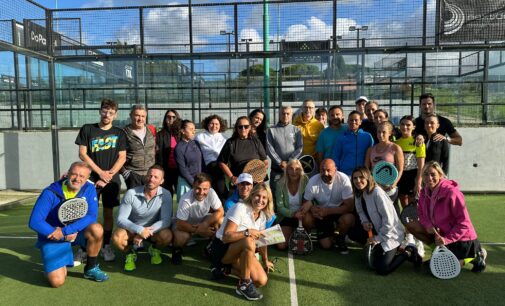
(243,127)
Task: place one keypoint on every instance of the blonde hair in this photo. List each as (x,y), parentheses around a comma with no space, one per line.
(268,210)
(388,125)
(284,179)
(435,165)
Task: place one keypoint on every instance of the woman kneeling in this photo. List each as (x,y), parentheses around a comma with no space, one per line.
(235,247)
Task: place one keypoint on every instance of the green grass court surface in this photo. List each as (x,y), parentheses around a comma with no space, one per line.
(322,278)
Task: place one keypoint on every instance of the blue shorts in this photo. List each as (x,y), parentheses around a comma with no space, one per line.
(59,254)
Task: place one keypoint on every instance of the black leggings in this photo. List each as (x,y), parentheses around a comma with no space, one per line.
(218,180)
(386,262)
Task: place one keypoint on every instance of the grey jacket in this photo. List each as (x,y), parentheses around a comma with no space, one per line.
(140,156)
(284,142)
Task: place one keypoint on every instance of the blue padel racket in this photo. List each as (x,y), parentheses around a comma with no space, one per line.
(385,173)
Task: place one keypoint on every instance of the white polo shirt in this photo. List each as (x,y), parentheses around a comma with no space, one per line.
(194,211)
(242,215)
(332,195)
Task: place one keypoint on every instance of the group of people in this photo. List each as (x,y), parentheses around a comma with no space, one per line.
(217,200)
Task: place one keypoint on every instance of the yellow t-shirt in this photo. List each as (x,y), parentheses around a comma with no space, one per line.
(411,152)
(310,132)
(69,194)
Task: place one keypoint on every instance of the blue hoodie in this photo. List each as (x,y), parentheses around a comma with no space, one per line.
(350,149)
(44,217)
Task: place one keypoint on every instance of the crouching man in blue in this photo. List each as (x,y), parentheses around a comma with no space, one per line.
(55,240)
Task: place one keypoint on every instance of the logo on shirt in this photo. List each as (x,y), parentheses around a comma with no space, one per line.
(101,144)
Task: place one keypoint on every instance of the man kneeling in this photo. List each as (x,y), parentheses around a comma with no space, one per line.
(200,212)
(144,214)
(55,239)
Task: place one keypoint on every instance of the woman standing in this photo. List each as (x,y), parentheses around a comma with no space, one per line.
(436,150)
(240,149)
(386,150)
(166,140)
(378,215)
(259,125)
(189,158)
(235,244)
(289,198)
(211,142)
(444,219)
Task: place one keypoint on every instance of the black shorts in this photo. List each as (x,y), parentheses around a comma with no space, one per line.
(135,180)
(407,182)
(110,193)
(289,222)
(217,251)
(326,226)
(465,249)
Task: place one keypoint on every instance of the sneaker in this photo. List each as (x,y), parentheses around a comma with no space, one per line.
(249,291)
(342,246)
(80,257)
(220,272)
(108,253)
(177,257)
(479,263)
(414,255)
(155,255)
(129,264)
(96,274)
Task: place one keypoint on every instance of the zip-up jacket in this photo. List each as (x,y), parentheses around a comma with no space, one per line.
(350,149)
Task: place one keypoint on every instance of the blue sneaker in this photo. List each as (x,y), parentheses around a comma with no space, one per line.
(96,274)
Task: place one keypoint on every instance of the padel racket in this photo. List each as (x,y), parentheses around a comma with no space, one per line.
(409,213)
(257,169)
(300,242)
(385,173)
(369,251)
(444,264)
(308,164)
(72,210)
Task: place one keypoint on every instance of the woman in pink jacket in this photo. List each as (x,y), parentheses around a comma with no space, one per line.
(444,219)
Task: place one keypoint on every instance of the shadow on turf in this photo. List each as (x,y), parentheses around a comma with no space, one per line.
(22,270)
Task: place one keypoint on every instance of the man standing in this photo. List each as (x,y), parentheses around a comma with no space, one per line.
(329,135)
(360,106)
(103,147)
(446,129)
(199,213)
(145,214)
(309,126)
(140,155)
(55,238)
(328,197)
(284,142)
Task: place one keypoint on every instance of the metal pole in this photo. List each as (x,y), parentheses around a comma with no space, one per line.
(266,62)
(357,64)
(248,77)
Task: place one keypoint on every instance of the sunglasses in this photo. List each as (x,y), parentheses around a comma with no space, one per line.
(243,127)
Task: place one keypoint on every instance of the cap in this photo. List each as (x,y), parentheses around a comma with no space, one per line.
(361,98)
(245,177)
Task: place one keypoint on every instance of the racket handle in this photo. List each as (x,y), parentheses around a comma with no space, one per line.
(300,223)
(370,234)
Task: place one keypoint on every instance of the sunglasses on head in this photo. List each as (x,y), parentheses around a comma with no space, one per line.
(243,127)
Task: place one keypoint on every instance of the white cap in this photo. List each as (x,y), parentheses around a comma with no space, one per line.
(361,98)
(245,177)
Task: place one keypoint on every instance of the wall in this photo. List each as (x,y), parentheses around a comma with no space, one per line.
(26,159)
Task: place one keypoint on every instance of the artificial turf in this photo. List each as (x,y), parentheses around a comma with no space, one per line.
(322,278)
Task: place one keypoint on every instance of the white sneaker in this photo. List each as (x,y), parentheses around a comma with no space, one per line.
(80,257)
(420,248)
(108,253)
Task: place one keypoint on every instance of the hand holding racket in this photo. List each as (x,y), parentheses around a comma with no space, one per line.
(369,249)
(72,210)
(300,242)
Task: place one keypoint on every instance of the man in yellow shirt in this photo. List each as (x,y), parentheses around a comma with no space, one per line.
(309,126)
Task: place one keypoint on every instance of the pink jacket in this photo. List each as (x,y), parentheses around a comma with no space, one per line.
(445,209)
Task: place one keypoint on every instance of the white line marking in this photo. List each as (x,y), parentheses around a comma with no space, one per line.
(18,237)
(292,280)
(493,243)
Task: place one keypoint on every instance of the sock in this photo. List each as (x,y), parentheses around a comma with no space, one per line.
(106,237)
(91,262)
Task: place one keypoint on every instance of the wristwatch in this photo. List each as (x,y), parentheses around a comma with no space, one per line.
(246,233)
